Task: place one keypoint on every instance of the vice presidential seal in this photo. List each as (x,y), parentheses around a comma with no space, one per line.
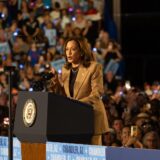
(29,112)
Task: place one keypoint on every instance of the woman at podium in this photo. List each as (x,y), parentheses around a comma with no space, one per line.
(82,79)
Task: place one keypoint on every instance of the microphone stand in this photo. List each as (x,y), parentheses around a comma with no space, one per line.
(9,70)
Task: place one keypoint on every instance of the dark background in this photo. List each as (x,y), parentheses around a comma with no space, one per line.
(140,40)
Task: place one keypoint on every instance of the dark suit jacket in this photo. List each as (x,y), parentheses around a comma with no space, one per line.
(88,88)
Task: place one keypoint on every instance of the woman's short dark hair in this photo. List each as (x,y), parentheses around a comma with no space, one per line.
(86,53)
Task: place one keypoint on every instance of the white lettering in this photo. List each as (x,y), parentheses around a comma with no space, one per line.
(96,151)
(58,157)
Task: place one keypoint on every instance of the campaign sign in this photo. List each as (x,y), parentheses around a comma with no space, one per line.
(58,64)
(65,151)
(4,149)
(4,48)
(56,151)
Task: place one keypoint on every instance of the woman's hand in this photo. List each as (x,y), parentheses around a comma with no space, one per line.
(55,77)
(56,85)
(53,83)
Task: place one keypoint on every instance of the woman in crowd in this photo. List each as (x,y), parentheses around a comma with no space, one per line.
(151,140)
(82,80)
(112,57)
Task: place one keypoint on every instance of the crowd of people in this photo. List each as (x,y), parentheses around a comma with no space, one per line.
(32,40)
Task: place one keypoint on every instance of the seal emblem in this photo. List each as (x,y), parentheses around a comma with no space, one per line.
(29,112)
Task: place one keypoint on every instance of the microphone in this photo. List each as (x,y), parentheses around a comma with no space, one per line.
(41,84)
(47,76)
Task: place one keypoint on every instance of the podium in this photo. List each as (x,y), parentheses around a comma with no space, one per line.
(44,116)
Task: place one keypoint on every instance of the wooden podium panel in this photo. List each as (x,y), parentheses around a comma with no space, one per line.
(33,151)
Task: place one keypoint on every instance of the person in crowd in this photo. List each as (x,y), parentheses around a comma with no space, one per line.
(147,89)
(75,4)
(60,44)
(3,14)
(4,44)
(25,9)
(20,49)
(3,81)
(109,138)
(14,101)
(129,140)
(20,20)
(151,140)
(31,27)
(50,30)
(29,76)
(91,31)
(42,42)
(91,8)
(80,20)
(110,81)
(39,7)
(68,31)
(13,8)
(33,53)
(4,113)
(77,32)
(141,118)
(125,135)
(103,39)
(39,67)
(23,83)
(110,107)
(62,3)
(13,32)
(65,18)
(56,13)
(82,80)
(112,57)
(117,126)
(98,51)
